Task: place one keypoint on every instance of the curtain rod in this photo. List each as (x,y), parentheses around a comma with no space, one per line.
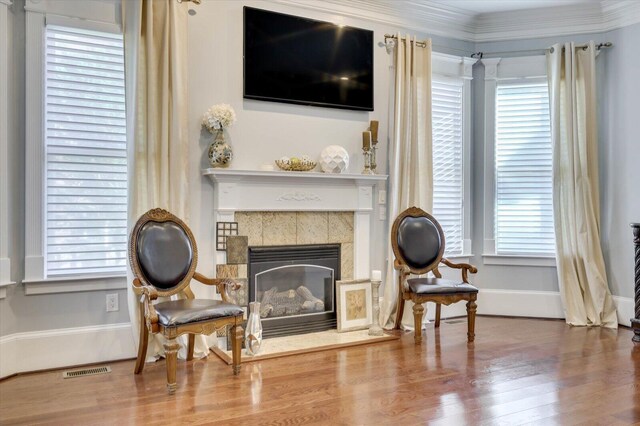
(192,1)
(395,37)
(480,55)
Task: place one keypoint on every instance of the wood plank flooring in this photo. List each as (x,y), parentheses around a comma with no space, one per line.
(518,371)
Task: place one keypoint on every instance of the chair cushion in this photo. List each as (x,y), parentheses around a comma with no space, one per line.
(418,241)
(164,253)
(439,286)
(187,311)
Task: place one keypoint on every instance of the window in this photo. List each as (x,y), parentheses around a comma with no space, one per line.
(448,186)
(523,170)
(85,189)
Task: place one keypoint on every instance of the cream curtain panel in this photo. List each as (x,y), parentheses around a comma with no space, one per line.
(576,210)
(155,34)
(410,149)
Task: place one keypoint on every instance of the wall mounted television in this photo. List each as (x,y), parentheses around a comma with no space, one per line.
(303,61)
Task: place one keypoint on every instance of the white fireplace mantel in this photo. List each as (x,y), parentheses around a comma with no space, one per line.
(253,190)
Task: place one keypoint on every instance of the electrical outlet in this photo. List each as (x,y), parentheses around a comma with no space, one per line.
(112,302)
(383,214)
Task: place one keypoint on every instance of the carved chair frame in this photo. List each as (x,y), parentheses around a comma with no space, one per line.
(404,271)
(147,293)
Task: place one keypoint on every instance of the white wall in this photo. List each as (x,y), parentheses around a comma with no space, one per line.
(620,156)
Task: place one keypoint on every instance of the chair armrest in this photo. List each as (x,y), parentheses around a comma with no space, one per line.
(401,267)
(466,268)
(220,283)
(147,294)
(404,272)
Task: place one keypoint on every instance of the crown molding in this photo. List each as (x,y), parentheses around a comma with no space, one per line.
(426,18)
(620,13)
(447,21)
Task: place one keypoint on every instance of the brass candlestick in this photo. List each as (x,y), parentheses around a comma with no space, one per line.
(374,164)
(367,161)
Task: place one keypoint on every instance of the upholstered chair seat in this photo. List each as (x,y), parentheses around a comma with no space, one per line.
(439,286)
(418,245)
(187,311)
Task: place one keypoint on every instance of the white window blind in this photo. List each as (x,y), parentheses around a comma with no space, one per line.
(447,162)
(524,170)
(86,156)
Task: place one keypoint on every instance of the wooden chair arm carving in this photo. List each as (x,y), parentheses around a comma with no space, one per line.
(466,268)
(147,295)
(220,283)
(404,272)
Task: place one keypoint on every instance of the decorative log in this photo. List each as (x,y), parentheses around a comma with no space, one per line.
(635,322)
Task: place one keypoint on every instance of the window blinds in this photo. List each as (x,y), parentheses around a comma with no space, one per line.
(86,156)
(524,170)
(447,162)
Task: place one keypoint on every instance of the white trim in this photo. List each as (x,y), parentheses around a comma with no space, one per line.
(517,260)
(40,350)
(490,85)
(625,309)
(504,70)
(37,15)
(439,19)
(539,304)
(74,284)
(449,21)
(88,10)
(5,262)
(34,139)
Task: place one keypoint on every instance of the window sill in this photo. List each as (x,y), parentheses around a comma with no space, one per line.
(3,289)
(457,258)
(515,260)
(75,284)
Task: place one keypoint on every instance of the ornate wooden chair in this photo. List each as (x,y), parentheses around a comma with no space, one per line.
(418,245)
(163,256)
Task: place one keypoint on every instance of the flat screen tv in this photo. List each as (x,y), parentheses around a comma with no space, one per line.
(303,61)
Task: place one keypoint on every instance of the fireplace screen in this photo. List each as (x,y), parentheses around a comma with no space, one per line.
(295,290)
(295,286)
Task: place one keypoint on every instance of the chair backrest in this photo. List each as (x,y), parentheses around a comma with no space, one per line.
(417,240)
(163,252)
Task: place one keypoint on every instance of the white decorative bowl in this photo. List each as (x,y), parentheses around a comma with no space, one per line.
(334,159)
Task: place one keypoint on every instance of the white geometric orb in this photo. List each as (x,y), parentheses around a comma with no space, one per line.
(334,159)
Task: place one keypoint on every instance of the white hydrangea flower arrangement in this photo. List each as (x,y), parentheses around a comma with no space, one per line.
(218,117)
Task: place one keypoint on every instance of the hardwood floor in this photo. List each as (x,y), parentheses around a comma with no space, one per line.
(517,371)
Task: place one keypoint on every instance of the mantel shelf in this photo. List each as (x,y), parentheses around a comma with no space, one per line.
(228,175)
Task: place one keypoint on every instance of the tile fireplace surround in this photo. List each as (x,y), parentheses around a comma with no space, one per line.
(282,208)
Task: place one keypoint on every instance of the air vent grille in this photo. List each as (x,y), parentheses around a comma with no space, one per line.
(86,372)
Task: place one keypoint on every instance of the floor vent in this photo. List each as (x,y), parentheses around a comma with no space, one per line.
(454,321)
(86,372)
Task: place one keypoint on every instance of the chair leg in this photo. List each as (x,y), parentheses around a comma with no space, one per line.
(171,353)
(418,312)
(399,314)
(471,320)
(143,343)
(192,342)
(236,347)
(438,308)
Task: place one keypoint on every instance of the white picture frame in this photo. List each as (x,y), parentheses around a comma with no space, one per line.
(354,304)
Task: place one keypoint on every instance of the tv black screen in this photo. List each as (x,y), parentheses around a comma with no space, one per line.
(303,61)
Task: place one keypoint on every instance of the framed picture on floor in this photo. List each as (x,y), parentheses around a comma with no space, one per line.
(354,304)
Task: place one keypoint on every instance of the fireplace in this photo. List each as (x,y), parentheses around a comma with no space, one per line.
(295,285)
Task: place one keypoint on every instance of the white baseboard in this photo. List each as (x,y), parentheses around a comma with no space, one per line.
(625,307)
(525,303)
(40,350)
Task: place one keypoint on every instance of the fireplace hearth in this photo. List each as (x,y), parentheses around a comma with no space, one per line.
(295,285)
